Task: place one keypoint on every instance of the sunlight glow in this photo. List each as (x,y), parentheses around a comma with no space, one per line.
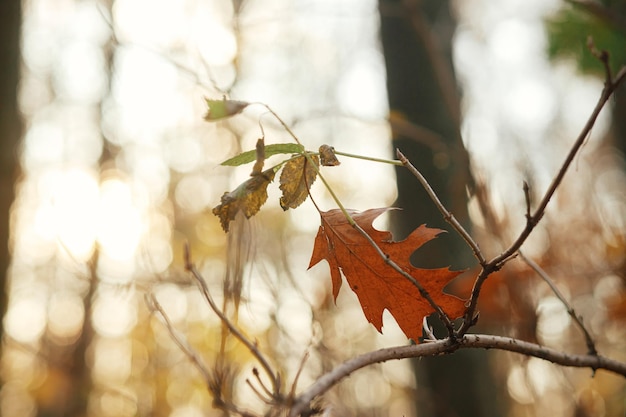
(113,315)
(517,385)
(120,225)
(25,320)
(112,360)
(65,317)
(552,321)
(75,202)
(361,91)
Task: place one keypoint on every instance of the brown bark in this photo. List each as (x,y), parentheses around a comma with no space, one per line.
(10,130)
(425,119)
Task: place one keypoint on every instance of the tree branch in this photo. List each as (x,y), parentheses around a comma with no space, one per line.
(591,347)
(446,346)
(532,220)
(448,217)
(252,347)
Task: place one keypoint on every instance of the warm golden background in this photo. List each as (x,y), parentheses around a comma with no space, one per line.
(118,169)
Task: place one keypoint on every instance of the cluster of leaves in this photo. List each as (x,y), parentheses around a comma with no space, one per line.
(346,238)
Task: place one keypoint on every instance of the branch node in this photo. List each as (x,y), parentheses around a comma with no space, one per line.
(527,198)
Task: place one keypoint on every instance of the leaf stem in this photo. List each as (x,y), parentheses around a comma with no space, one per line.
(281,121)
(369,158)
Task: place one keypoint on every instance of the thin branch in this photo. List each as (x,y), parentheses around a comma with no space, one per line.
(266,400)
(602,56)
(294,385)
(608,90)
(532,220)
(281,121)
(428,331)
(591,348)
(155,306)
(448,217)
(527,199)
(446,346)
(257,376)
(252,347)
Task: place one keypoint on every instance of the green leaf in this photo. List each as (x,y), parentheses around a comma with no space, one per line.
(567,38)
(273,149)
(220,109)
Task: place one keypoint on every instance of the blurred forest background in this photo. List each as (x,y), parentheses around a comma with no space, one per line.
(107,169)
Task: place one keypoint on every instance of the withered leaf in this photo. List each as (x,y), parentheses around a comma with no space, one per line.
(295,181)
(220,109)
(260,157)
(328,157)
(247,198)
(378,286)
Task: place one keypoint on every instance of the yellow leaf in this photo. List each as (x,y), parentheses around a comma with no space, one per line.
(295,181)
(247,198)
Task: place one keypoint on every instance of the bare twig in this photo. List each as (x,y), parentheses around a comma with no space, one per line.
(608,90)
(262,397)
(591,348)
(155,306)
(448,217)
(428,331)
(257,376)
(532,220)
(527,199)
(602,56)
(252,347)
(446,346)
(292,392)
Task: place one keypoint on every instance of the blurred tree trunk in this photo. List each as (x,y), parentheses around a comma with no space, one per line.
(425,120)
(10,130)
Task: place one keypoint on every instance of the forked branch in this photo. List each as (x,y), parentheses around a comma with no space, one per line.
(610,85)
(252,347)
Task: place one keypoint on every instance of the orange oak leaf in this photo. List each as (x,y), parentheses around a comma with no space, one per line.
(377,285)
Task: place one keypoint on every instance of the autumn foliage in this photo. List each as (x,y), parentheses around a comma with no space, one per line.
(378,286)
(361,253)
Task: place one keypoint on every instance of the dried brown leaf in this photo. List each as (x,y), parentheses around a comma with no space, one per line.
(260,157)
(247,198)
(328,157)
(295,181)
